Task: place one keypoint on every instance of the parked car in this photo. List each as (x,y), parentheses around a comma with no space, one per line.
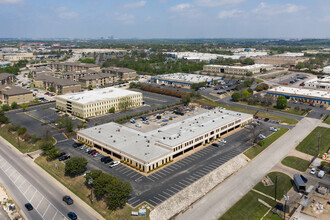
(72,216)
(273,129)
(67,199)
(261,136)
(132,120)
(94,152)
(266,119)
(28,206)
(91,151)
(321,174)
(223,141)
(215,145)
(313,171)
(64,157)
(114,163)
(295,102)
(77,144)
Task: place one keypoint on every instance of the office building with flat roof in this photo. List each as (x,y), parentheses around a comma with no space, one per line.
(319,97)
(149,150)
(239,70)
(183,79)
(319,83)
(97,102)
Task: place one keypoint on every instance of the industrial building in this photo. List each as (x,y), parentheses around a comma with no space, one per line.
(319,83)
(317,97)
(239,70)
(97,102)
(149,150)
(182,79)
(10,94)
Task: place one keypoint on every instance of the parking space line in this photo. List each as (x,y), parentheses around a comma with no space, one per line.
(156,174)
(167,194)
(131,198)
(19,175)
(128,171)
(132,204)
(134,175)
(33,195)
(163,170)
(7,168)
(162,196)
(46,210)
(169,168)
(158,199)
(180,187)
(55,215)
(40,202)
(155,203)
(171,191)
(186,182)
(175,165)
(195,175)
(150,179)
(138,178)
(27,189)
(176,190)
(22,183)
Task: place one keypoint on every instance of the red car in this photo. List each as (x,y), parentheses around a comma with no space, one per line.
(94,152)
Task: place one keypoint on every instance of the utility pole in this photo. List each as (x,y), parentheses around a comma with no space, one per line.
(286,198)
(275,186)
(318,146)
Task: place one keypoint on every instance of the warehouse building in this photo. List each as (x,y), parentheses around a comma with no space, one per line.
(182,79)
(239,70)
(317,97)
(319,83)
(10,94)
(149,150)
(97,102)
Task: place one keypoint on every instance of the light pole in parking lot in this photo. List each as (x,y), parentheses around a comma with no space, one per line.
(90,182)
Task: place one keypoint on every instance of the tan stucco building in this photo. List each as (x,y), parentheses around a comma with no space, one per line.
(10,94)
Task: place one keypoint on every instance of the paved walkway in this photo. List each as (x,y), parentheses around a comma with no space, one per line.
(228,193)
(299,154)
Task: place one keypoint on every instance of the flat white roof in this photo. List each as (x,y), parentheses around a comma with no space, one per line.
(160,142)
(249,67)
(97,95)
(305,92)
(187,77)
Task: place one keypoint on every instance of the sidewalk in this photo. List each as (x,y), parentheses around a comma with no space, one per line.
(53,180)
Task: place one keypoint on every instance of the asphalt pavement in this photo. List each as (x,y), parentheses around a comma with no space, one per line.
(26,183)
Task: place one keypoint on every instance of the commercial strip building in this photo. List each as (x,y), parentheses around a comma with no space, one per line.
(6,78)
(98,101)
(57,85)
(182,79)
(149,150)
(10,94)
(319,83)
(67,66)
(303,95)
(240,70)
(13,57)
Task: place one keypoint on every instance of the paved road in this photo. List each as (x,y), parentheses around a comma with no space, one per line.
(227,194)
(26,183)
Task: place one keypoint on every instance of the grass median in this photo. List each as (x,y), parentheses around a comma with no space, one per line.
(284,120)
(296,163)
(326,119)
(256,149)
(310,144)
(78,187)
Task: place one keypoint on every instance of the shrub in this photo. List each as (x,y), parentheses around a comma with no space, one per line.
(261,143)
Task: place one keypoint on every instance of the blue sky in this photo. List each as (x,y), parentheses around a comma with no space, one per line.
(165,18)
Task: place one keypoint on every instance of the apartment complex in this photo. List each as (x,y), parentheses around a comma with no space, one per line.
(149,150)
(67,66)
(182,79)
(96,80)
(302,95)
(75,75)
(279,60)
(239,70)
(10,94)
(98,101)
(57,85)
(319,83)
(117,73)
(6,78)
(13,57)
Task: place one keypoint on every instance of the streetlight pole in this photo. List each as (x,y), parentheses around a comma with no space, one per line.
(90,182)
(275,186)
(286,198)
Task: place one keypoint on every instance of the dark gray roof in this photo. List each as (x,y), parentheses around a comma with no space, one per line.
(6,76)
(13,90)
(57,81)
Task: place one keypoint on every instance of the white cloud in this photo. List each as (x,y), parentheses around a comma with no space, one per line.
(185,10)
(266,9)
(61,8)
(181,7)
(124,18)
(11,2)
(230,14)
(135,4)
(213,3)
(68,15)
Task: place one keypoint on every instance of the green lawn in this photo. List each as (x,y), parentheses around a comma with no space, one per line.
(255,150)
(78,187)
(326,119)
(284,120)
(248,207)
(296,163)
(310,144)
(283,185)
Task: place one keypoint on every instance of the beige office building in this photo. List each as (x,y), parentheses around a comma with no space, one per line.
(97,102)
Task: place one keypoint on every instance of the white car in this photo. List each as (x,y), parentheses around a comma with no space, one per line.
(261,136)
(138,125)
(114,163)
(313,171)
(223,141)
(273,129)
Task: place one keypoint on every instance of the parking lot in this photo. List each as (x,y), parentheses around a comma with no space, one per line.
(164,183)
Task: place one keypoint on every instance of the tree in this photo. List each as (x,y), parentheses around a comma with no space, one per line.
(46,145)
(5,107)
(21,131)
(87,60)
(65,123)
(249,74)
(53,153)
(25,106)
(236,96)
(186,99)
(261,87)
(112,110)
(247,61)
(93,174)
(245,95)
(75,165)
(100,183)
(117,193)
(4,119)
(90,87)
(14,105)
(52,89)
(125,103)
(281,102)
